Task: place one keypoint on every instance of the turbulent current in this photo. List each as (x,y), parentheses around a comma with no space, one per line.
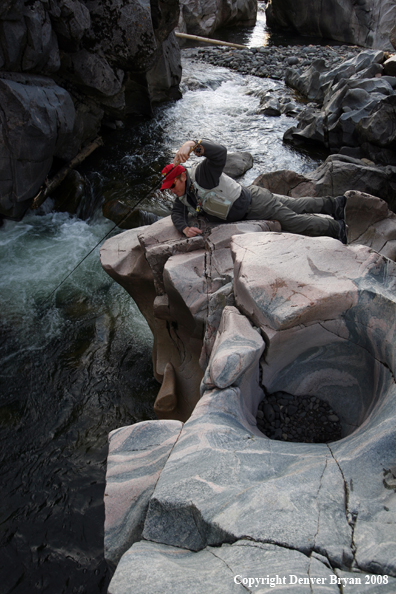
(76,363)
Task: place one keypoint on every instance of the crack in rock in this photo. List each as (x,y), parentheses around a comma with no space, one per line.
(317,497)
(226,564)
(351,517)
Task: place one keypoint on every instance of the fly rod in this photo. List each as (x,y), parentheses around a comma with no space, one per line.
(130,211)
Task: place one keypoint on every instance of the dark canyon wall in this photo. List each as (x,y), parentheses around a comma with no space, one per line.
(203,18)
(361,22)
(65,66)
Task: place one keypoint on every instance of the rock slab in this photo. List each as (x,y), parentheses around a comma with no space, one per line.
(230,501)
(137,454)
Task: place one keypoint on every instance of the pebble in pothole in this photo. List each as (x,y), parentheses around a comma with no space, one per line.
(305,419)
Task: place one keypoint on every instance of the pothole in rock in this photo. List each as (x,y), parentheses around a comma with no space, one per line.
(305,419)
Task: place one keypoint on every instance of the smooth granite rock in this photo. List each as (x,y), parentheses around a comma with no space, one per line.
(137,454)
(237,348)
(232,502)
(326,498)
(244,566)
(183,283)
(235,360)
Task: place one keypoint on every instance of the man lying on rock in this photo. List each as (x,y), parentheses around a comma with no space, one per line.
(203,188)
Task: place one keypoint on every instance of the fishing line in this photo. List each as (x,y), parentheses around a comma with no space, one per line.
(130,211)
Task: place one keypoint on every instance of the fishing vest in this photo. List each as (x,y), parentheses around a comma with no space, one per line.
(218,200)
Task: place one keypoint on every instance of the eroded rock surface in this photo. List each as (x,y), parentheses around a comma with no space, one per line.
(137,454)
(182,285)
(354,109)
(229,500)
(186,284)
(363,23)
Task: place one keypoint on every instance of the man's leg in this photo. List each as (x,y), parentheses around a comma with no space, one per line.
(309,205)
(266,205)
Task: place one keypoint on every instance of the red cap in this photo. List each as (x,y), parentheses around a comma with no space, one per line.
(169,173)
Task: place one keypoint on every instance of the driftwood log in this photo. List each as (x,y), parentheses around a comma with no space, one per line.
(208,40)
(51,185)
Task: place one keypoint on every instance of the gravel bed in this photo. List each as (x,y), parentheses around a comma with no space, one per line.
(305,419)
(272,62)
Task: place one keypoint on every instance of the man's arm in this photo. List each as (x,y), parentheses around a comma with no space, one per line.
(179,215)
(208,172)
(207,175)
(210,169)
(179,219)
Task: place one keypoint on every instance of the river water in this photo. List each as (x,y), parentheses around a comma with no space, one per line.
(77,363)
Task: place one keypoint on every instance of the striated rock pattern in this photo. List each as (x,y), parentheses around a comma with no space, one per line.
(96,59)
(364,23)
(310,317)
(129,488)
(222,570)
(182,285)
(203,18)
